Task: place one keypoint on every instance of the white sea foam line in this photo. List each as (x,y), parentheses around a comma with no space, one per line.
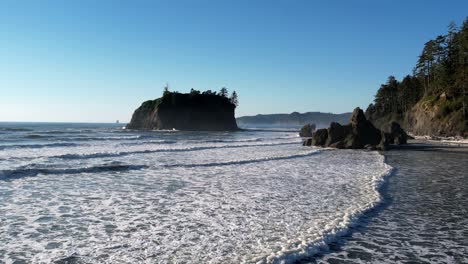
(209,201)
(99,150)
(246,161)
(338,228)
(154,158)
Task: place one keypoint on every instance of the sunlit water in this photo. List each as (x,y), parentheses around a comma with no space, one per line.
(81,193)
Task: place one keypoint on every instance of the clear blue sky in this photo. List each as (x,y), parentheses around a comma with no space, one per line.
(97,61)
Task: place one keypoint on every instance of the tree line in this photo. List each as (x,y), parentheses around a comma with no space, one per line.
(223,92)
(441,71)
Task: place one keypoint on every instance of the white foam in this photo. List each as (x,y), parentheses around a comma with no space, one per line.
(260,202)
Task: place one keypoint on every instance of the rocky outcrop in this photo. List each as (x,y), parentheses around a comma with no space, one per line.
(319,138)
(430,117)
(307,130)
(179,111)
(360,133)
(434,119)
(396,134)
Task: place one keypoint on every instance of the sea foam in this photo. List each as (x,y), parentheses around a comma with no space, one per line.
(262,198)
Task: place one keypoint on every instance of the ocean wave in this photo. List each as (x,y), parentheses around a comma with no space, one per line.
(126,153)
(35,136)
(150,142)
(66,131)
(15,129)
(232,140)
(35,146)
(30,172)
(245,161)
(162,141)
(102,138)
(335,230)
(248,139)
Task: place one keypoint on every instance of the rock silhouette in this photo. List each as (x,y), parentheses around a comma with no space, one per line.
(194,111)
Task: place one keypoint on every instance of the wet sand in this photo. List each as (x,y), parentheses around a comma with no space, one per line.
(433,146)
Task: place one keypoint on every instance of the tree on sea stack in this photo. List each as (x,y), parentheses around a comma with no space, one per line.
(166,90)
(193,111)
(234,99)
(194,92)
(223,92)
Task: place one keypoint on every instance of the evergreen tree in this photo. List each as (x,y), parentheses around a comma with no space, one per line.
(194,92)
(223,92)
(439,80)
(234,98)
(166,90)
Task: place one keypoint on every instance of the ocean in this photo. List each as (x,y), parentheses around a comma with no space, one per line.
(97,193)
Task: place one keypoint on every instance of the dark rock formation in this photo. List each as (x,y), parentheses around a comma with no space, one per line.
(319,138)
(358,134)
(363,131)
(337,133)
(384,141)
(396,134)
(179,111)
(307,142)
(307,130)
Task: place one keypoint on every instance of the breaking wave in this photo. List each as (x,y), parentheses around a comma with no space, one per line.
(258,197)
(175,149)
(245,161)
(29,172)
(35,146)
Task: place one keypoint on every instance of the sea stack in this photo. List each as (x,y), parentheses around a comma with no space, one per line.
(358,134)
(194,111)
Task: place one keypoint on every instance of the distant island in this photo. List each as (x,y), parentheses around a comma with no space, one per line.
(295,118)
(433,100)
(196,110)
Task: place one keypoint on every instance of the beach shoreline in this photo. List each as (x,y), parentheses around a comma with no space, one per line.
(422,218)
(433,145)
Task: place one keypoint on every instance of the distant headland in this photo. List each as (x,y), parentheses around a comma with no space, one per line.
(198,111)
(295,118)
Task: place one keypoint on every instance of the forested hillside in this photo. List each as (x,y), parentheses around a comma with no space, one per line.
(433,100)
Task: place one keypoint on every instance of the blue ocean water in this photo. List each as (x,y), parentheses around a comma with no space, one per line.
(98,193)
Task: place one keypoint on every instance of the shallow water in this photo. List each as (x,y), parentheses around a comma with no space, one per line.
(175,197)
(424,218)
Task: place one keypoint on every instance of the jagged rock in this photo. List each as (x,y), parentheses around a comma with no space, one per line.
(351,142)
(357,117)
(319,138)
(358,134)
(370,147)
(307,130)
(336,132)
(363,130)
(384,141)
(307,142)
(398,135)
(338,145)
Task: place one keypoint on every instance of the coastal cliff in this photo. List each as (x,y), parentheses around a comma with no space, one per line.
(190,111)
(434,100)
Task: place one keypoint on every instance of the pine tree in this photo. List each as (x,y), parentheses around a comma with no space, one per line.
(223,92)
(166,90)
(234,99)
